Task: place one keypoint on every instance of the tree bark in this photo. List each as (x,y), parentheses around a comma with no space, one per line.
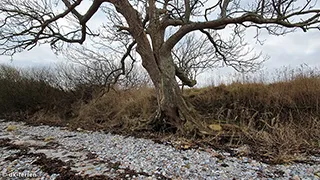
(173,113)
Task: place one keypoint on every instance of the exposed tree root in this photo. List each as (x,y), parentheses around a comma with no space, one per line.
(183,121)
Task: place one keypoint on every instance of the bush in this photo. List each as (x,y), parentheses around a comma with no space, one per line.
(23,91)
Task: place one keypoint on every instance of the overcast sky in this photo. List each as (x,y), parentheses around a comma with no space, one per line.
(291,50)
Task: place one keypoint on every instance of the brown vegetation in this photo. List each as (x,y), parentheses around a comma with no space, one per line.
(278,120)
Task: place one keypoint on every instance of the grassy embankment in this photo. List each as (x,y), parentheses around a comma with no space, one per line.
(278,120)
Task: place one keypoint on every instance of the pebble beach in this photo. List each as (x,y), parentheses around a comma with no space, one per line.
(44,152)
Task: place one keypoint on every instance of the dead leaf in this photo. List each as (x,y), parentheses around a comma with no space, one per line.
(186,146)
(47,139)
(11,128)
(215,127)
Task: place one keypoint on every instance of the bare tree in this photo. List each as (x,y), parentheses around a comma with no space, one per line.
(144,25)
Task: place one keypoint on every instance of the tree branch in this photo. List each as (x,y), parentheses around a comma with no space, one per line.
(233,53)
(72,8)
(224,8)
(184,78)
(91,11)
(248,17)
(187,10)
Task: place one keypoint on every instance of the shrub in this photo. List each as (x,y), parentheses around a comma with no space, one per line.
(21,91)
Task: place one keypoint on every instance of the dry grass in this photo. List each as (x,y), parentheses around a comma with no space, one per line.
(278,120)
(116,110)
(285,142)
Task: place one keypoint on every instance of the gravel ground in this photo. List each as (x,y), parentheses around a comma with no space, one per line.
(44,152)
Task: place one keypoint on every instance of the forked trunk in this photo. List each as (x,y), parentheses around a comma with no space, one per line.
(173,112)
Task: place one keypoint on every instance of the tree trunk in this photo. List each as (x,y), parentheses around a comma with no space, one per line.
(173,113)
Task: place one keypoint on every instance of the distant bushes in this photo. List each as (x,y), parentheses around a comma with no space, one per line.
(28,91)
(57,90)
